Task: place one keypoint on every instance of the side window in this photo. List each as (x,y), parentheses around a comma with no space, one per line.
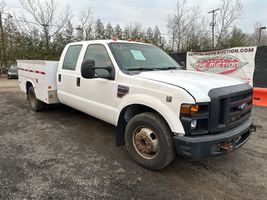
(71,57)
(99,54)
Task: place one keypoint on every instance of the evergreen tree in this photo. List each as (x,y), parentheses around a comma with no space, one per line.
(109,32)
(149,34)
(127,33)
(238,38)
(68,33)
(99,30)
(136,31)
(118,32)
(89,35)
(157,39)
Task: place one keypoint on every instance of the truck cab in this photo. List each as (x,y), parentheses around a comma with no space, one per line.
(158,108)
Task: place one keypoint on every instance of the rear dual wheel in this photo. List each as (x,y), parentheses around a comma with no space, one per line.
(149,141)
(35,104)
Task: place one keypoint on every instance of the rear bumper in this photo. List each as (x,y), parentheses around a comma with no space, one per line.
(210,145)
(12,76)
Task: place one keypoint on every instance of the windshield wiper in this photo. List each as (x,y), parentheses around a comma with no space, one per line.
(167,68)
(140,68)
(151,68)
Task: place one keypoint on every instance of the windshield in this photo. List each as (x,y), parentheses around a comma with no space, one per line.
(141,57)
(13,68)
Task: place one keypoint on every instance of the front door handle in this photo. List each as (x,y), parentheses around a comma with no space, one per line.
(78,82)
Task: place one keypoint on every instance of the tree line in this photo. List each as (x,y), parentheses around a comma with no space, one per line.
(190,30)
(44,29)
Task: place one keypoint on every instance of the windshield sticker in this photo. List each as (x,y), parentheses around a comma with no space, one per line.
(138,55)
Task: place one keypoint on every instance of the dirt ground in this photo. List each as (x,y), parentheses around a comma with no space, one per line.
(64,154)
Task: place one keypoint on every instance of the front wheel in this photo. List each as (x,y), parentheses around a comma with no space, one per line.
(35,104)
(149,141)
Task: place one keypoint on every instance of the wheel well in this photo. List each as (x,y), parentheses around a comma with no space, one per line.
(28,85)
(126,114)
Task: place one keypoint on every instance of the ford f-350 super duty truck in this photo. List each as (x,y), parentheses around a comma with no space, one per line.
(159,109)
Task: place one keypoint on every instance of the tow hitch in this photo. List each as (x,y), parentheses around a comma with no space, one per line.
(253,128)
(225,146)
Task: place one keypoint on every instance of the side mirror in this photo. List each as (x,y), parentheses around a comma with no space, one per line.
(182,64)
(87,69)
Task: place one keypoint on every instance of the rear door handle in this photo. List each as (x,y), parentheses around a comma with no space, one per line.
(59,77)
(78,82)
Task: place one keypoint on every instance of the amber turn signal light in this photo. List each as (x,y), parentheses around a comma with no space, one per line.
(188,109)
(194,108)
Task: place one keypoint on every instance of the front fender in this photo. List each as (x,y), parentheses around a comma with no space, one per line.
(165,111)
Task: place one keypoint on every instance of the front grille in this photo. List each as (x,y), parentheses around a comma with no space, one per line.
(230,107)
(240,107)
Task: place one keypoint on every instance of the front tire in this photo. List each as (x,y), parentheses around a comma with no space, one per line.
(149,141)
(35,104)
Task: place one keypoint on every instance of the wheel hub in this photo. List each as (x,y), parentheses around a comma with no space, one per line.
(146,143)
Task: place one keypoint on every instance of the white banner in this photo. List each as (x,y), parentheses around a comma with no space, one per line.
(234,62)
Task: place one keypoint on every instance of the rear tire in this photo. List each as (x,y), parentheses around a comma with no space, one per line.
(35,104)
(149,141)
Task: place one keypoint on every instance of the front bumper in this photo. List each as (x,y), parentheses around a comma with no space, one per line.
(214,144)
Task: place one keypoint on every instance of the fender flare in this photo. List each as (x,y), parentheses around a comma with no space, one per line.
(29,81)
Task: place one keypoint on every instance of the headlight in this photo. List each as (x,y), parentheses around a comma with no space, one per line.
(194,124)
(9,73)
(195,118)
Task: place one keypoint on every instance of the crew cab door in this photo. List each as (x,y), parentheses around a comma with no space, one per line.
(68,74)
(95,96)
(99,94)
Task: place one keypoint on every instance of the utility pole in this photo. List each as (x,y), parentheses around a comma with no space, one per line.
(261,28)
(212,24)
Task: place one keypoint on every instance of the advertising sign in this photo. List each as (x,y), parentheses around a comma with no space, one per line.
(234,62)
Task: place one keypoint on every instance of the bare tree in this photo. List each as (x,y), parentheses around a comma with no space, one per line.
(176,24)
(230,12)
(253,38)
(181,23)
(85,28)
(2,37)
(45,17)
(2,5)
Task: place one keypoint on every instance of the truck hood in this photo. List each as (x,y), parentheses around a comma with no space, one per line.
(198,84)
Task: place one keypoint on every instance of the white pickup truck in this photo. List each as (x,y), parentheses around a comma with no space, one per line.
(159,109)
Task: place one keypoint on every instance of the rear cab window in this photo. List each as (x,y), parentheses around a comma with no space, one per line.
(71,57)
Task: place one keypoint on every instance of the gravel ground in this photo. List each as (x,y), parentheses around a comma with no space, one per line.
(64,154)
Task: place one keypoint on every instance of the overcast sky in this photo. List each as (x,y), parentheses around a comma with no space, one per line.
(154,12)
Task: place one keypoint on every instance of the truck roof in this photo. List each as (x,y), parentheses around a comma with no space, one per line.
(107,42)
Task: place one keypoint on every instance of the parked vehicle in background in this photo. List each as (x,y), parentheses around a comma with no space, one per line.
(12,72)
(159,109)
